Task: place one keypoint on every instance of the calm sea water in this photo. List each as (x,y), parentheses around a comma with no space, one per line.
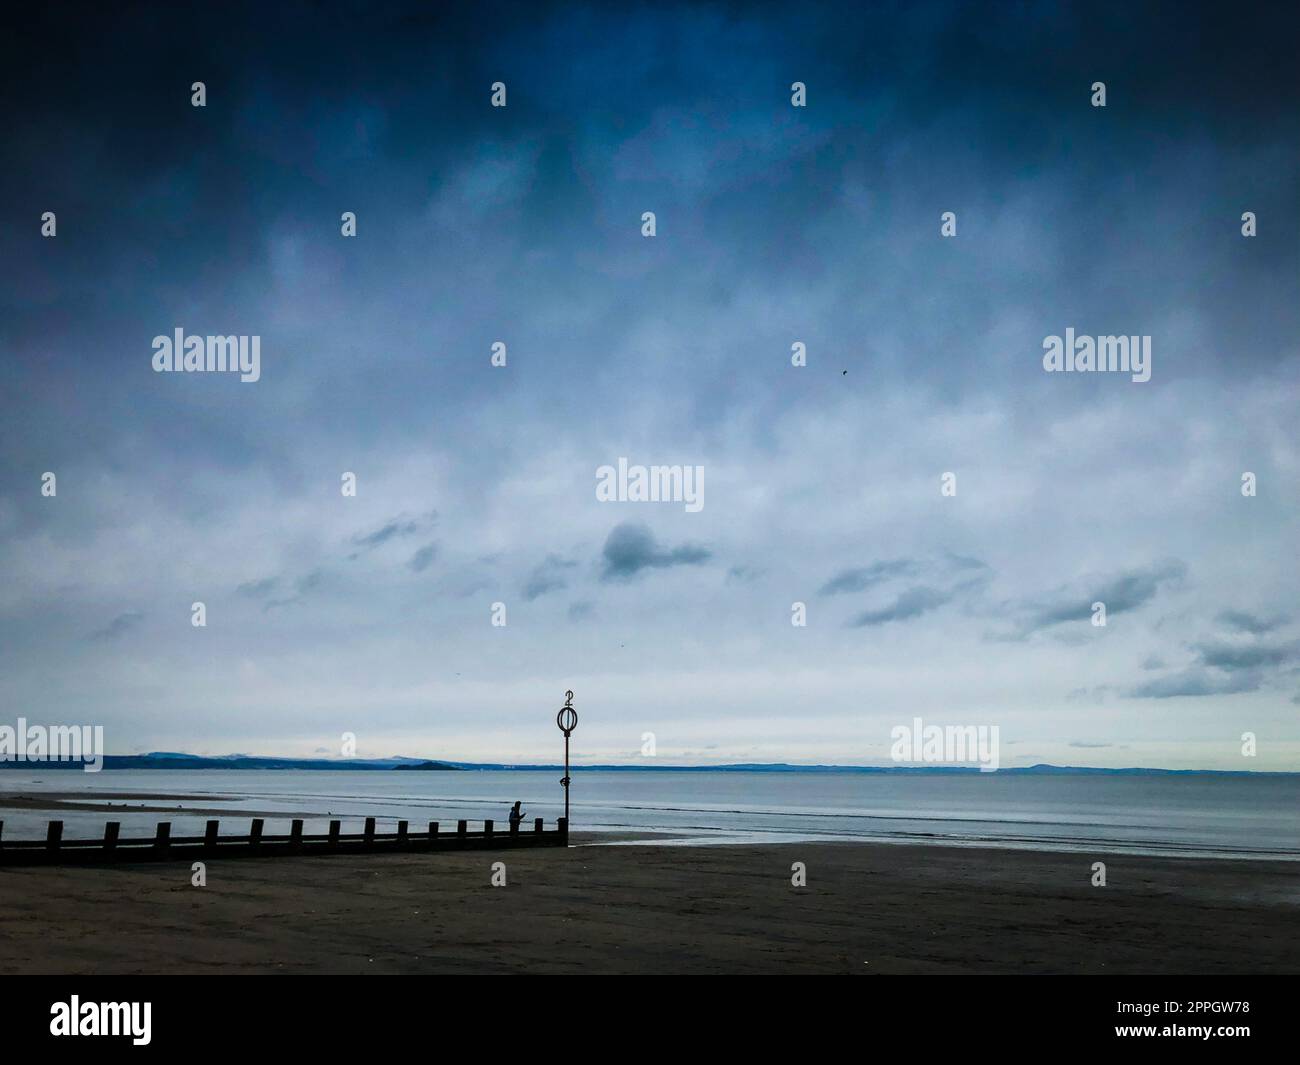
(1237,816)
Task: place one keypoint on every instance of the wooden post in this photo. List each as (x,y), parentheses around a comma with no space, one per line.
(334,834)
(295,834)
(537,825)
(210,836)
(162,839)
(401,832)
(433,833)
(111,830)
(370,832)
(563,825)
(461,828)
(487,829)
(255,834)
(54,835)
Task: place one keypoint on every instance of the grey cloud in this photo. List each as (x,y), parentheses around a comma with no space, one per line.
(1251,623)
(423,558)
(862,578)
(385,533)
(631,548)
(309,582)
(119,626)
(1121,593)
(1097,694)
(548,576)
(1131,590)
(257,589)
(914,601)
(1222,669)
(1231,658)
(910,604)
(304,585)
(395,529)
(1195,682)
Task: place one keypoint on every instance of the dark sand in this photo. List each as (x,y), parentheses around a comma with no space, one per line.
(632,909)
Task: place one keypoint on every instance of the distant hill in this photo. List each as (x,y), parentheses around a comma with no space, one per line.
(178,760)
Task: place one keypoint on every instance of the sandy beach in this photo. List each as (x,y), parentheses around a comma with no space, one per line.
(866,909)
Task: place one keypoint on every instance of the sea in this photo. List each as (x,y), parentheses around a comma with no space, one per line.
(1191,815)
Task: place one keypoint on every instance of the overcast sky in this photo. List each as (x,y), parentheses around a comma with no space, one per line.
(775,224)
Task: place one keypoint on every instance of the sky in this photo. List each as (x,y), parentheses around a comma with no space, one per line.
(822,484)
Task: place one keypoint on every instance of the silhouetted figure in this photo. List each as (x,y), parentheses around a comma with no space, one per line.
(516,816)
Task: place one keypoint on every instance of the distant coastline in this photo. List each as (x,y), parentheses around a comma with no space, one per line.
(176,760)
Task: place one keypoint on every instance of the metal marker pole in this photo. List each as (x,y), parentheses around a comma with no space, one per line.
(567,720)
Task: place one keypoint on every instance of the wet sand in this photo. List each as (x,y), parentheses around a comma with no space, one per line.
(53,805)
(867,908)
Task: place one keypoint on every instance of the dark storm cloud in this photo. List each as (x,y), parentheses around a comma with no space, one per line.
(232,210)
(630,549)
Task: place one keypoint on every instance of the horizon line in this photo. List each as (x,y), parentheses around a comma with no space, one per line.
(394,760)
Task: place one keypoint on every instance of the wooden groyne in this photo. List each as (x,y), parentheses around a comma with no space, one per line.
(163,846)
